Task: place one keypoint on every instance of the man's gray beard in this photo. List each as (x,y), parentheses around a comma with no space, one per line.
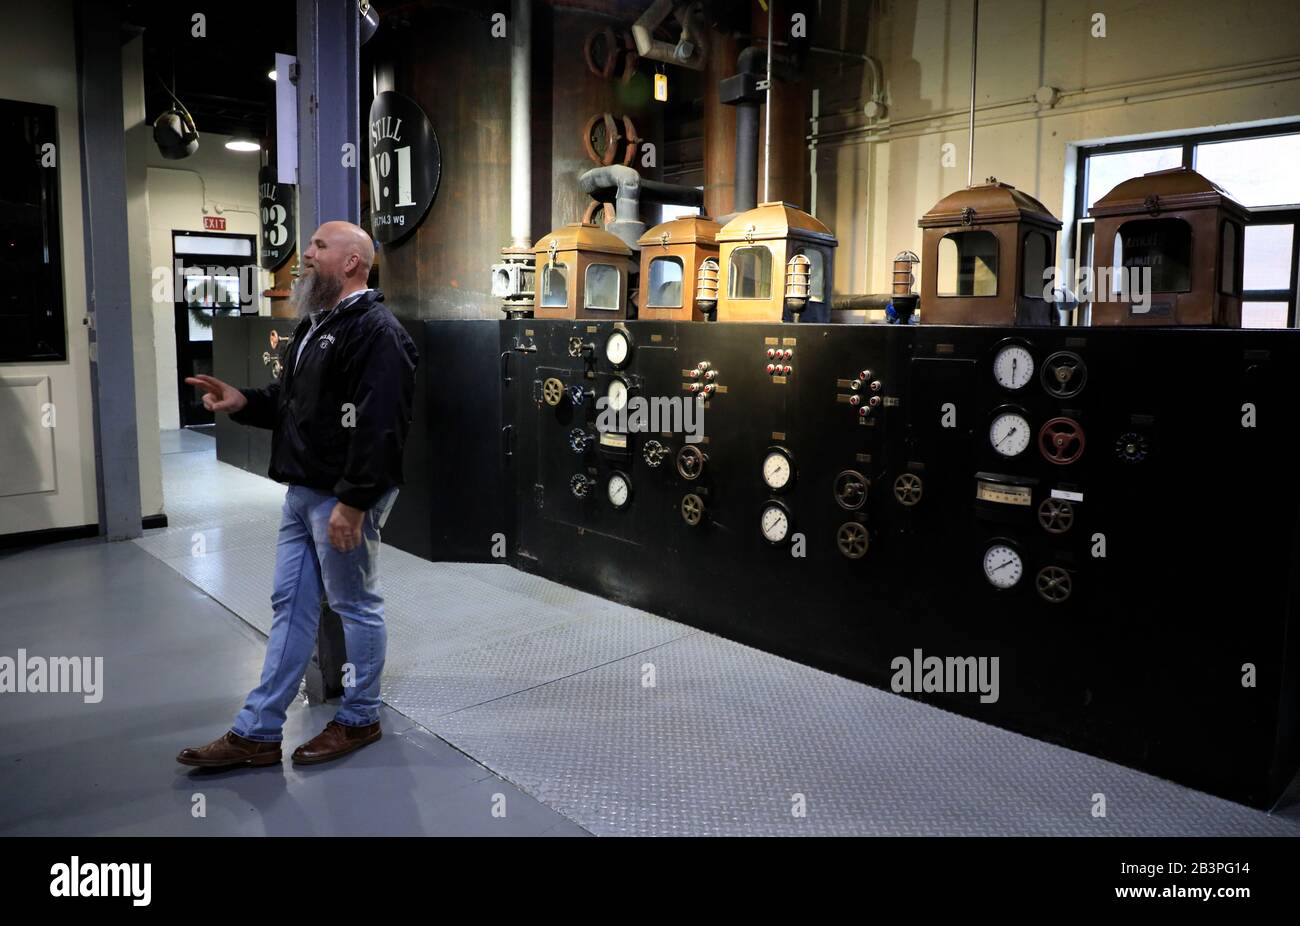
(313,292)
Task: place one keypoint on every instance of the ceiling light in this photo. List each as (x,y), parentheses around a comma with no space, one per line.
(243,144)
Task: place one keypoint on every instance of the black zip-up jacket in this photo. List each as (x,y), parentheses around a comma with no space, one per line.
(340,413)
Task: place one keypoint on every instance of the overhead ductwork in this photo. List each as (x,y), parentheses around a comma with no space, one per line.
(691,50)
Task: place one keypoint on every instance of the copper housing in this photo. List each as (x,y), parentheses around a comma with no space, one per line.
(1189,232)
(674,251)
(748,294)
(993,282)
(582,272)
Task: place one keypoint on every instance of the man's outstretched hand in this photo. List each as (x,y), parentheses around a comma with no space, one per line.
(218,396)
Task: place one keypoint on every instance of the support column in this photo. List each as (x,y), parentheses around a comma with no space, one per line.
(329,189)
(108,268)
(328,113)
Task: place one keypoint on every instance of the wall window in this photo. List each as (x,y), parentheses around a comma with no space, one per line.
(968,264)
(750,274)
(665,284)
(1256,167)
(603,287)
(555,285)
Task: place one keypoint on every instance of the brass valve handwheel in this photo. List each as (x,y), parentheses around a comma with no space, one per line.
(1055,515)
(852,540)
(552,391)
(908,489)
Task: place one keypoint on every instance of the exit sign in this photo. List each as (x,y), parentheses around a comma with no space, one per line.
(214,223)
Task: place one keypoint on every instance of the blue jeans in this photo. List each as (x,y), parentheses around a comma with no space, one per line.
(306,563)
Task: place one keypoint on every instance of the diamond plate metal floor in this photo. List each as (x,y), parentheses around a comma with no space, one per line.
(545,686)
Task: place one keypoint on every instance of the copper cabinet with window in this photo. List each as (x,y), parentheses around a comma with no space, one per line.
(671,255)
(581,272)
(985,251)
(776,262)
(1168,252)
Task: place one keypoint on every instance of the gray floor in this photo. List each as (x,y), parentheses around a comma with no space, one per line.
(177,665)
(544,686)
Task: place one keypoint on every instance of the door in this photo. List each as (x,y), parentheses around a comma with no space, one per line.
(219,273)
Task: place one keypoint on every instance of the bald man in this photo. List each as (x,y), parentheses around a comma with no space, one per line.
(339,413)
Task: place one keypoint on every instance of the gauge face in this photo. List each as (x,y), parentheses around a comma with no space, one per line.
(1013,367)
(619,490)
(775,524)
(777,470)
(1009,434)
(1002,566)
(617,395)
(616,348)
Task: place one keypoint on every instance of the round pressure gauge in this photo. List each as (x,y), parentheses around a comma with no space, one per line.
(1013,366)
(617,348)
(1009,434)
(775,523)
(778,469)
(1002,566)
(617,395)
(618,489)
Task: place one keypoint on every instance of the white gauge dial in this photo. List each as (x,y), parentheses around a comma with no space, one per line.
(1009,434)
(775,523)
(1013,367)
(1002,566)
(777,470)
(616,348)
(618,490)
(617,395)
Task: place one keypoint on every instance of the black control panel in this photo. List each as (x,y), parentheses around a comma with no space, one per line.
(1110,513)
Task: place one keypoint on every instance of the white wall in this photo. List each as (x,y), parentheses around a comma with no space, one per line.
(1164,66)
(213,178)
(38,64)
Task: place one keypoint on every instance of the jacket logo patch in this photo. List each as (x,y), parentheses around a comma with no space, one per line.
(325,341)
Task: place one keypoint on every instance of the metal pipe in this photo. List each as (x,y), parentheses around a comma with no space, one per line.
(767,105)
(745,179)
(812,152)
(974,45)
(521,124)
(624,187)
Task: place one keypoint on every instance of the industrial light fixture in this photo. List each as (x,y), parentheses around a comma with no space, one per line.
(271,74)
(369,23)
(243,144)
(174,132)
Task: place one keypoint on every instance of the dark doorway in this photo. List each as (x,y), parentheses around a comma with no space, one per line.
(215,274)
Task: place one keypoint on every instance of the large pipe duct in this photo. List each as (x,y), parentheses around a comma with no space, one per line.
(624,187)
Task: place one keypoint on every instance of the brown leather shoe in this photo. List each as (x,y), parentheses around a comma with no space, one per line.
(337,739)
(231,749)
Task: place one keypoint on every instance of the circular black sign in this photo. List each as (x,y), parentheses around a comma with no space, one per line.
(276,203)
(405,164)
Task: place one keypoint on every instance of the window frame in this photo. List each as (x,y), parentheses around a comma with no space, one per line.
(997,263)
(1284,214)
(772,262)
